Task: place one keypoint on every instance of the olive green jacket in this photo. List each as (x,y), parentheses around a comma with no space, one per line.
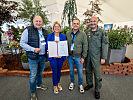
(80,44)
(97,44)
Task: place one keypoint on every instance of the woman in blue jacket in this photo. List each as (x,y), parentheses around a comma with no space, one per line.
(56,62)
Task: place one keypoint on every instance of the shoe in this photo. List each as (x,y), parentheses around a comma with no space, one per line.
(42,86)
(71,86)
(33,96)
(97,95)
(88,87)
(59,87)
(81,88)
(56,90)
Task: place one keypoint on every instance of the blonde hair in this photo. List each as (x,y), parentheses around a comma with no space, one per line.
(56,23)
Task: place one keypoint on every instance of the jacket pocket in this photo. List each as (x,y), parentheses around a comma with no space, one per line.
(78,49)
(97,41)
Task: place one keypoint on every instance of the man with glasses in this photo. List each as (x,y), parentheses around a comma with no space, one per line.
(97,53)
(78,46)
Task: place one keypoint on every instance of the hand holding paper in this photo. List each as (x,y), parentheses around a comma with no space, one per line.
(57,49)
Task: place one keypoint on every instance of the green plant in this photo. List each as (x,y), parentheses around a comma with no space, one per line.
(8,11)
(32,8)
(119,38)
(65,29)
(81,28)
(14,44)
(94,10)
(24,58)
(14,34)
(49,31)
(70,10)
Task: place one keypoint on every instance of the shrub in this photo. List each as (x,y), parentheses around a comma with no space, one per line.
(119,38)
(24,58)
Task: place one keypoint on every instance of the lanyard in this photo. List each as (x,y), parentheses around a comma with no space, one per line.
(40,34)
(73,37)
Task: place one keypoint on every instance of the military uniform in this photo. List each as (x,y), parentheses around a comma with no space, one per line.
(97,50)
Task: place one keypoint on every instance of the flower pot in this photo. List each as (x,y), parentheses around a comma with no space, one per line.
(114,56)
(25,66)
(13,50)
(123,53)
(17,51)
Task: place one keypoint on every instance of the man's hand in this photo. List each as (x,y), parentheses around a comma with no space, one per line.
(82,60)
(37,50)
(102,61)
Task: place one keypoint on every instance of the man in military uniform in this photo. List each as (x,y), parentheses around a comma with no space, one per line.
(97,53)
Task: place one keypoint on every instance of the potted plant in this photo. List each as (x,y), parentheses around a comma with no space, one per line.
(15,46)
(118,40)
(24,61)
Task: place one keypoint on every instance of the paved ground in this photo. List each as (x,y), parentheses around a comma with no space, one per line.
(115,87)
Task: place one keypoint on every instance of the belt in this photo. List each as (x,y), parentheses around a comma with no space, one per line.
(42,55)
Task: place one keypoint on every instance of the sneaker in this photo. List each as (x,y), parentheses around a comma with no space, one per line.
(88,87)
(81,89)
(71,86)
(33,96)
(42,86)
(59,87)
(56,90)
(97,95)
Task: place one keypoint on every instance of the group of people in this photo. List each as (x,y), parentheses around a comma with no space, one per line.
(90,47)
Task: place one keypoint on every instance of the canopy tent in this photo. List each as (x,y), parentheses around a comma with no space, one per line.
(114,11)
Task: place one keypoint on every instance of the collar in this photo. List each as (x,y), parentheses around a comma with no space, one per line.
(37,29)
(76,32)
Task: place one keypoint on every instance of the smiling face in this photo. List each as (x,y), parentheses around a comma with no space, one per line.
(75,24)
(93,23)
(57,27)
(37,21)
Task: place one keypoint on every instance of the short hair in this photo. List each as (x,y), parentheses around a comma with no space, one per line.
(76,19)
(56,23)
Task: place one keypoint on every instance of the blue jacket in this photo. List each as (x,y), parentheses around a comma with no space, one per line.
(51,37)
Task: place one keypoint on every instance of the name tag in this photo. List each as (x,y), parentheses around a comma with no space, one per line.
(72,46)
(42,40)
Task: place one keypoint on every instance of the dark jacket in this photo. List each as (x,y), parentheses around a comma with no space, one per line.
(33,40)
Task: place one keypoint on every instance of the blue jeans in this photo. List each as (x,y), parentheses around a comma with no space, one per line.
(72,61)
(56,65)
(36,70)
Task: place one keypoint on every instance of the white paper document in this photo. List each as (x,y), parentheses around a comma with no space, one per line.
(56,49)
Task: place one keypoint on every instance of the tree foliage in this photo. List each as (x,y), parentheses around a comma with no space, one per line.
(93,11)
(70,10)
(8,11)
(32,8)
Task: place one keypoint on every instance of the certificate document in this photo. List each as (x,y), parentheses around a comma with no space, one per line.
(56,49)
